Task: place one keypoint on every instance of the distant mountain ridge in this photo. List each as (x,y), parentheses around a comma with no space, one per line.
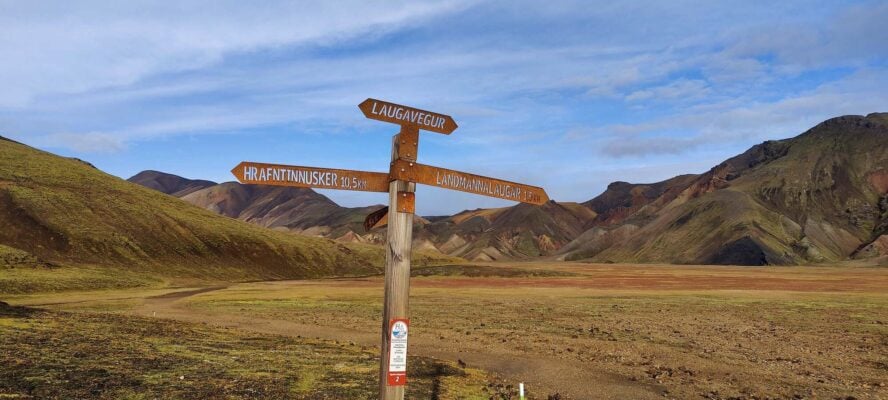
(293,209)
(818,197)
(168,183)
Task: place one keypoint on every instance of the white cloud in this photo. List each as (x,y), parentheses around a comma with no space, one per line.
(749,122)
(534,86)
(686,89)
(75,47)
(852,37)
(88,142)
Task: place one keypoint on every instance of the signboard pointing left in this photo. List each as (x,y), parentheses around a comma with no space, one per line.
(310,177)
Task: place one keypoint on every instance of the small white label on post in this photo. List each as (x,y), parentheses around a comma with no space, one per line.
(397,366)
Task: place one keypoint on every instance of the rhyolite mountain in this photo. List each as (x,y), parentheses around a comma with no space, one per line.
(297,210)
(168,183)
(818,197)
(518,232)
(521,231)
(62,212)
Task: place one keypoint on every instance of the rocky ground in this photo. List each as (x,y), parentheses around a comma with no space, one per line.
(578,331)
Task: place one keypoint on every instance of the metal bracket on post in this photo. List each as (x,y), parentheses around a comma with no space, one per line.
(406,202)
(408,143)
(403,170)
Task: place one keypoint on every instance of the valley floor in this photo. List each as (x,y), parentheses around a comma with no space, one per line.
(585,331)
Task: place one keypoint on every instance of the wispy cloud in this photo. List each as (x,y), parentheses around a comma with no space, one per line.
(85,142)
(684,89)
(70,48)
(534,86)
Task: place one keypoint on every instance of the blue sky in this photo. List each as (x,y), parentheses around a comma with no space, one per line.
(566,95)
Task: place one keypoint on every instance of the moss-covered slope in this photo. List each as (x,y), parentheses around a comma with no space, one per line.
(65,212)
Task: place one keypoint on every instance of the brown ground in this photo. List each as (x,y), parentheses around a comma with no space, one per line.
(608,332)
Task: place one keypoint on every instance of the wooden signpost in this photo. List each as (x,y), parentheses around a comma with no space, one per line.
(400,182)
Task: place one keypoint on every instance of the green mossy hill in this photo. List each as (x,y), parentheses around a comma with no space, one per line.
(64,211)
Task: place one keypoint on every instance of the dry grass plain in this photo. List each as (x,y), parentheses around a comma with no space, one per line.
(585,331)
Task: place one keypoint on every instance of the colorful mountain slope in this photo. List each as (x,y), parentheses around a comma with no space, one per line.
(818,197)
(168,183)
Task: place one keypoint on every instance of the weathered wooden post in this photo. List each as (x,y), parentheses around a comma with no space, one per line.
(399,237)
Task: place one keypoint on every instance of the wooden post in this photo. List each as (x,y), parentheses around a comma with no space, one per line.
(399,236)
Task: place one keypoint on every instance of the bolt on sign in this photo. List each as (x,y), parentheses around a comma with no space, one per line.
(400,182)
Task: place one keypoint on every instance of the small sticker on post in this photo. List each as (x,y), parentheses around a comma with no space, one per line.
(397,367)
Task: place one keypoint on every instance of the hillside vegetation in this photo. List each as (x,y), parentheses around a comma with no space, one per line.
(818,197)
(59,213)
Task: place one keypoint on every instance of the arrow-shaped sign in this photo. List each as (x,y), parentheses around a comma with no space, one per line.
(376,219)
(310,177)
(409,116)
(414,172)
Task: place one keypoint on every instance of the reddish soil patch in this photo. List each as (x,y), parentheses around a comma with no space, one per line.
(879,180)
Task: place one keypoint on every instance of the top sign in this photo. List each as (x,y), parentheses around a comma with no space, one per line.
(403,115)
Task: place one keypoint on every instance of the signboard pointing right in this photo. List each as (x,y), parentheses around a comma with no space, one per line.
(449,179)
(403,115)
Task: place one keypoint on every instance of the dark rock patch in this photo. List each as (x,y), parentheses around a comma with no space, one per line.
(7,310)
(743,251)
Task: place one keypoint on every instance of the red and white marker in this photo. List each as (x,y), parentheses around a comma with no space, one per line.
(397,367)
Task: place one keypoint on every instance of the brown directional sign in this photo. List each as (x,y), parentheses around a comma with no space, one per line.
(403,115)
(312,177)
(449,179)
(376,218)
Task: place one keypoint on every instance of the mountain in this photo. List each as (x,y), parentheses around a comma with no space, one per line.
(169,183)
(292,209)
(818,197)
(521,231)
(622,200)
(61,212)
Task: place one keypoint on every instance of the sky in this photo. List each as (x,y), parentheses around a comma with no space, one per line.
(567,95)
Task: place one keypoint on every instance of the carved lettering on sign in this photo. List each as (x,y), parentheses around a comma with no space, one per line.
(323,178)
(409,116)
(462,181)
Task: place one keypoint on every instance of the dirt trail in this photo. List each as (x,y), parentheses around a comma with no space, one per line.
(173,296)
(571,379)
